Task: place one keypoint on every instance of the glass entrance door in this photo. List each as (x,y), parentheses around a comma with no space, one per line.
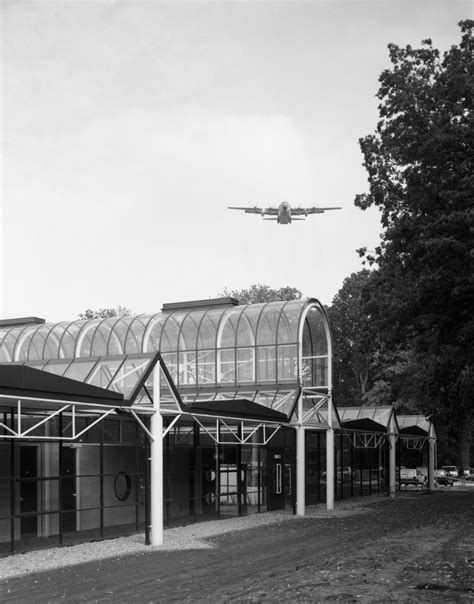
(68,489)
(29,490)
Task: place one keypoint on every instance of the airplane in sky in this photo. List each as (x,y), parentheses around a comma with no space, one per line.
(284,214)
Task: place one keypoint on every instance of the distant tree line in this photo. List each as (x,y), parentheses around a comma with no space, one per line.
(259,293)
(105,313)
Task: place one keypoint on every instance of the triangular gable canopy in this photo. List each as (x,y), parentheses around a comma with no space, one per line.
(415,425)
(114,383)
(368,419)
(238,409)
(23,382)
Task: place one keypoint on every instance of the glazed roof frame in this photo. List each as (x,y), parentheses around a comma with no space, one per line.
(47,340)
(243,328)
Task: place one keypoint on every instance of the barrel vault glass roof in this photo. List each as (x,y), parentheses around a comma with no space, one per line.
(263,352)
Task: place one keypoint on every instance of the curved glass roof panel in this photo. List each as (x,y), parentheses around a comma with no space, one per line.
(152,334)
(189,330)
(289,323)
(67,341)
(37,341)
(85,337)
(100,338)
(134,336)
(228,330)
(23,344)
(121,329)
(245,335)
(7,344)
(4,356)
(268,323)
(247,326)
(52,341)
(207,334)
(169,340)
(315,341)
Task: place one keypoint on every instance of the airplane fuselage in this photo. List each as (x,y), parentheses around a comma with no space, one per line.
(284,213)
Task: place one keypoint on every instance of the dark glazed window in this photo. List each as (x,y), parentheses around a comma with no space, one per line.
(122,486)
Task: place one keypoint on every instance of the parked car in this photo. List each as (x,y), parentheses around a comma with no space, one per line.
(443,478)
(424,472)
(344,471)
(412,476)
(451,471)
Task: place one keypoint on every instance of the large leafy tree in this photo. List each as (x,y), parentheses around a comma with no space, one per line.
(258,293)
(419,162)
(352,341)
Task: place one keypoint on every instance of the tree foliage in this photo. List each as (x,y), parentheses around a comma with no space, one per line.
(352,341)
(419,163)
(258,293)
(105,313)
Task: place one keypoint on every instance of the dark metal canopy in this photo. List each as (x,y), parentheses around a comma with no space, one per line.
(413,431)
(26,382)
(237,408)
(368,419)
(415,425)
(364,425)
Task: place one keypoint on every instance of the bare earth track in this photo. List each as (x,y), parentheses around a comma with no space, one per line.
(416,548)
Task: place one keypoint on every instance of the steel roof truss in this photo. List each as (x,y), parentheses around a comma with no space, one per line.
(315,410)
(366,440)
(168,428)
(237,432)
(413,442)
(70,408)
(141,424)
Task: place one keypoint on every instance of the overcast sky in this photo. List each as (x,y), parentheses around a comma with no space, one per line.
(129,127)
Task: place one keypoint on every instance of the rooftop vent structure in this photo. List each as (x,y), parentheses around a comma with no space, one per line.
(200,304)
(21,321)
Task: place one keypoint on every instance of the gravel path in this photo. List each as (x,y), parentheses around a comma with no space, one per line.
(180,538)
(414,549)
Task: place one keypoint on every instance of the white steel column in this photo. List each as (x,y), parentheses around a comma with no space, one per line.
(431,460)
(392,456)
(156,450)
(300,462)
(330,453)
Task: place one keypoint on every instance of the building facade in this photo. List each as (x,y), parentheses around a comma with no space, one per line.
(231,403)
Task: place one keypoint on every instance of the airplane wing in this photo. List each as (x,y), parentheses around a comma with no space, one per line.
(255,210)
(313,210)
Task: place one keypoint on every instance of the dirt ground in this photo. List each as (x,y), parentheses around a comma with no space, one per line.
(416,548)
